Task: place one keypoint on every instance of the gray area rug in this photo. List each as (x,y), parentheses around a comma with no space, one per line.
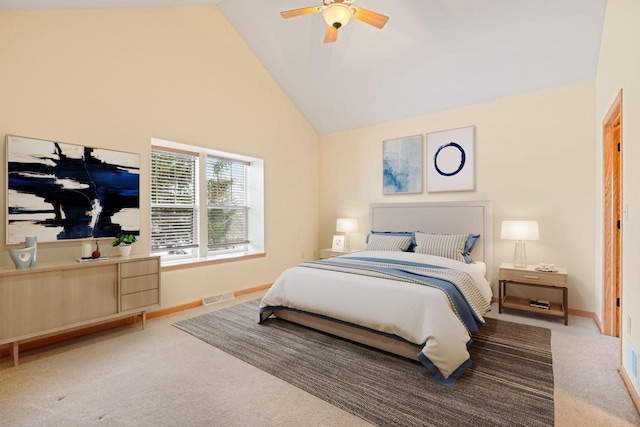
(509,383)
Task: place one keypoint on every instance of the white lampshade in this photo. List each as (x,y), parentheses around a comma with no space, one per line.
(346,225)
(337,15)
(519,230)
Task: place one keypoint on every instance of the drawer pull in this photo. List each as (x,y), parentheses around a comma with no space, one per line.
(531,277)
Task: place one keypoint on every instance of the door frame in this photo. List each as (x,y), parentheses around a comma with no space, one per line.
(612,205)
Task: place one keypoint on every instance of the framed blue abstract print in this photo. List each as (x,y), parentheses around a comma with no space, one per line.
(58,191)
(402,165)
(450,160)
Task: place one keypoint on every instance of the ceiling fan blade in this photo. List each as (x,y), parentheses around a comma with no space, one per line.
(299,12)
(331,35)
(376,19)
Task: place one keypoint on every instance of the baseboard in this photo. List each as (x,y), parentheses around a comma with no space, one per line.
(174,309)
(630,388)
(583,313)
(598,323)
(251,290)
(54,339)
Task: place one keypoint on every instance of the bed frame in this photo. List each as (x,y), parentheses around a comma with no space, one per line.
(434,217)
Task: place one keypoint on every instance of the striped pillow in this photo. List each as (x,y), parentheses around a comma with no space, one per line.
(444,245)
(397,233)
(381,242)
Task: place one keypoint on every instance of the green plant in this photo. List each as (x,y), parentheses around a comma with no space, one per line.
(124,238)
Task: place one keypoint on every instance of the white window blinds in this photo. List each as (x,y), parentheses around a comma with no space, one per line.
(227,209)
(174,200)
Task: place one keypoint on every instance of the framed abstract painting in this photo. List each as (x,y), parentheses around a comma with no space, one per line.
(450,160)
(402,165)
(58,191)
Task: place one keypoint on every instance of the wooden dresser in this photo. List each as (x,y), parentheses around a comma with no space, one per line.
(56,297)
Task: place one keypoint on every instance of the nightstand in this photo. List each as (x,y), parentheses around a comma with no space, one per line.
(509,275)
(329,253)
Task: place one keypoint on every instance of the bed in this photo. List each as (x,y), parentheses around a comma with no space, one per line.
(421,304)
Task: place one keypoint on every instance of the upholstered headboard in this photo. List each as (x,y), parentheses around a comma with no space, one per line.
(439,217)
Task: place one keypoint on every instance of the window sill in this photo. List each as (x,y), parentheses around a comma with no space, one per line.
(212,260)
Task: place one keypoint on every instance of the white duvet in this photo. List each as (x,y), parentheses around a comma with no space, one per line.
(419,314)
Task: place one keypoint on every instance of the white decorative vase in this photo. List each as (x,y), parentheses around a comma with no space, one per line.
(23,258)
(125,250)
(32,242)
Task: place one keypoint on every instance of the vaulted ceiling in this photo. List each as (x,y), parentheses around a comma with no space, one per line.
(433,55)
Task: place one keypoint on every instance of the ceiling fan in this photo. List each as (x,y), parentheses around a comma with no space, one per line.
(337,13)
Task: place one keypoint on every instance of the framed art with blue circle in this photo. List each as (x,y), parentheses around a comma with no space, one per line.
(450,160)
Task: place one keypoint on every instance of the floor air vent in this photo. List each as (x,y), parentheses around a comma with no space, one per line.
(631,362)
(217,298)
(634,365)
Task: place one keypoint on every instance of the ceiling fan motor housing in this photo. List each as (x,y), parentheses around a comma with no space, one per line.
(337,14)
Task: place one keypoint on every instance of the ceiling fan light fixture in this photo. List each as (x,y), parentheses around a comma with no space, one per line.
(337,15)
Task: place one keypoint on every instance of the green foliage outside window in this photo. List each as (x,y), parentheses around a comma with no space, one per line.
(226,203)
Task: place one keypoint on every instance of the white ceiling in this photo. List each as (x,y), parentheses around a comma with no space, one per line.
(433,55)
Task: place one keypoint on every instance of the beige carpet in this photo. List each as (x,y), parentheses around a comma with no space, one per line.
(164,377)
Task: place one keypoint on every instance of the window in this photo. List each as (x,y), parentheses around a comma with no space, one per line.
(174,202)
(200,195)
(226,204)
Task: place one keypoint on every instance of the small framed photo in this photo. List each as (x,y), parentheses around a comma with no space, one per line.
(338,243)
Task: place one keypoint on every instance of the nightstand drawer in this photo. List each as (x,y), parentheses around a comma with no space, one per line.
(329,253)
(537,277)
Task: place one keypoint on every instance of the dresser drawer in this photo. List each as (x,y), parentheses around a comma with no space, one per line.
(139,283)
(536,277)
(138,268)
(140,299)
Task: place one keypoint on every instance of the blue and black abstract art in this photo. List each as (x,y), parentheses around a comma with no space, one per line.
(60,191)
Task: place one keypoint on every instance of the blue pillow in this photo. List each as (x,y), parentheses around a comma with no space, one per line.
(471,242)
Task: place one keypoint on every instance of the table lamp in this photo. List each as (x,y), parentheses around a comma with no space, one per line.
(519,231)
(347,225)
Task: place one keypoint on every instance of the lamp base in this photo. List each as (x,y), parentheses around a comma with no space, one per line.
(520,255)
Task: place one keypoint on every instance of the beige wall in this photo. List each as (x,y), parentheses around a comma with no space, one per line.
(619,68)
(534,160)
(114,78)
